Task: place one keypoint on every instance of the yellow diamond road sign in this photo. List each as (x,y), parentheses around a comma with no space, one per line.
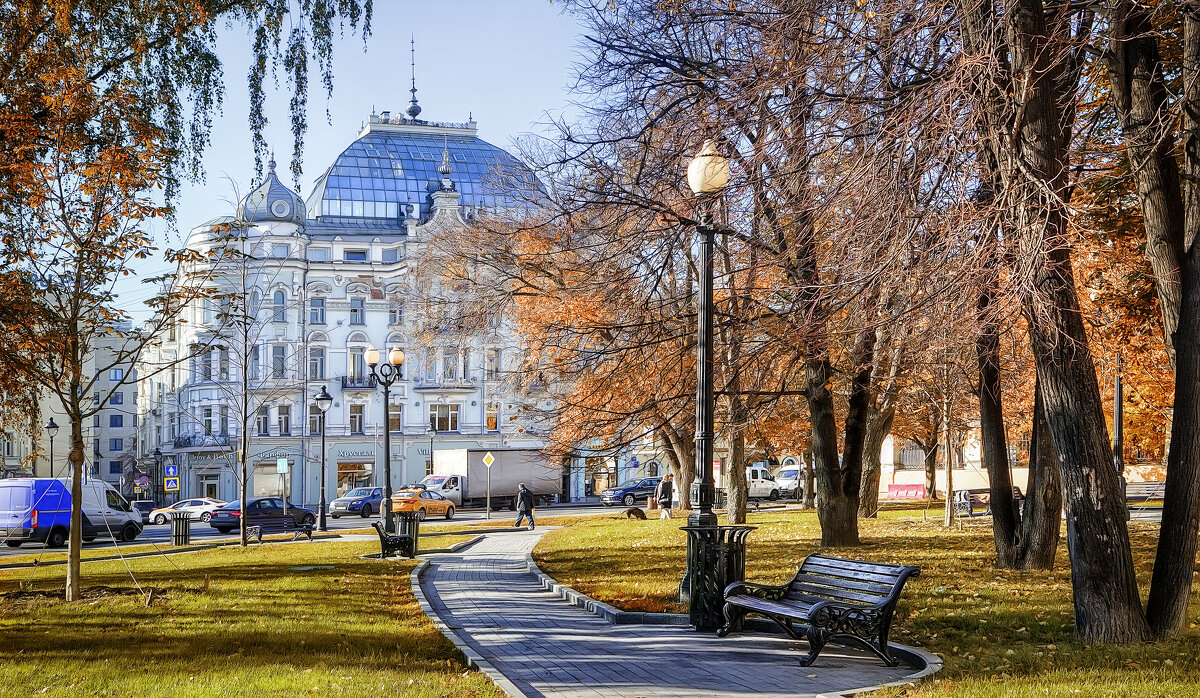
(488,459)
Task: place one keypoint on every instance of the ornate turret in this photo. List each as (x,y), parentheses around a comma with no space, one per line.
(272,201)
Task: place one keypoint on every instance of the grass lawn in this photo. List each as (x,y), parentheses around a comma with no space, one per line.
(1002,633)
(231,622)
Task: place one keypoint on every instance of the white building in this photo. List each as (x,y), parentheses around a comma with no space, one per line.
(323,281)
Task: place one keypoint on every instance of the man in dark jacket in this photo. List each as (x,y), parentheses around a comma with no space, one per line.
(524,506)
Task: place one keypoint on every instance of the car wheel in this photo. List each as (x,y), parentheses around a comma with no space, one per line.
(160,519)
(628,499)
(57,538)
(129,531)
(421,514)
(224,529)
(335,516)
(450,513)
(308,519)
(13,543)
(366,511)
(89,539)
(774,495)
(205,517)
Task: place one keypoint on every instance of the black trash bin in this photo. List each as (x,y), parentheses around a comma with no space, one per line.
(181,528)
(719,551)
(408,523)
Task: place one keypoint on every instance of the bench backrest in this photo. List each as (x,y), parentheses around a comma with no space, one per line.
(1145,488)
(850,581)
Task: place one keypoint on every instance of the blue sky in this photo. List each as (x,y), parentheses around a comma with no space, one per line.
(508,63)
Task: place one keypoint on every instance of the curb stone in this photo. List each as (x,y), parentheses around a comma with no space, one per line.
(165,551)
(474,659)
(927,662)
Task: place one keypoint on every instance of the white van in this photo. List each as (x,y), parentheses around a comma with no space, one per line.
(761,484)
(36,510)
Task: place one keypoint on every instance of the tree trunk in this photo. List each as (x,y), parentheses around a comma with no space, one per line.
(74,587)
(994,449)
(683,455)
(735,480)
(1040,523)
(879,423)
(931,453)
(810,481)
(836,510)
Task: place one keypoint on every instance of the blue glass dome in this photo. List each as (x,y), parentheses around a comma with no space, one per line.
(389,167)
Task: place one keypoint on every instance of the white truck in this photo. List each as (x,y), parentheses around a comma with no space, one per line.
(760,483)
(460,475)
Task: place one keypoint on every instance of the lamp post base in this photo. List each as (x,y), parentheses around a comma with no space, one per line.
(716,557)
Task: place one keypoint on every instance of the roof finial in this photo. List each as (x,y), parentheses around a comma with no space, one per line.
(444,168)
(271,163)
(414,109)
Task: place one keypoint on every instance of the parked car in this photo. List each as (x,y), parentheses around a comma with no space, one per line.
(261,510)
(629,492)
(144,507)
(201,508)
(788,479)
(423,502)
(363,501)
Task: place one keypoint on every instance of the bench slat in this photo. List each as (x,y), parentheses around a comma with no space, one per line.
(881,578)
(805,592)
(790,608)
(867,586)
(855,566)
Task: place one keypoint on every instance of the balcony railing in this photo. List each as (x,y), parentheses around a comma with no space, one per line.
(201,440)
(359,383)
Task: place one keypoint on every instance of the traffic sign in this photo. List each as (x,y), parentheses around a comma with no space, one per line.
(138,489)
(144,481)
(488,459)
(170,484)
(281,465)
(172,471)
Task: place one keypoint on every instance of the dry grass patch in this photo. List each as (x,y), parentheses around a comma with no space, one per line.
(1001,632)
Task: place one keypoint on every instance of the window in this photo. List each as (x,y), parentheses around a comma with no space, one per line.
(316,364)
(114,467)
(357,365)
(278,361)
(466,364)
(492,366)
(355,255)
(255,366)
(356,419)
(358,311)
(117,398)
(318,254)
(284,416)
(316,311)
(171,332)
(96,447)
(391,255)
(208,421)
(396,313)
(281,251)
(96,398)
(279,307)
(431,365)
(173,426)
(206,366)
(316,419)
(224,419)
(449,364)
(493,416)
(443,417)
(493,319)
(116,445)
(223,364)
(395,418)
(116,374)
(116,421)
(263,422)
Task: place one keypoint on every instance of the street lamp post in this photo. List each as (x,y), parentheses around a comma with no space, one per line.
(158,476)
(385,375)
(324,401)
(51,431)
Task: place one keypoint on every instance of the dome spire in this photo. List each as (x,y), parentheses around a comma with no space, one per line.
(444,168)
(414,109)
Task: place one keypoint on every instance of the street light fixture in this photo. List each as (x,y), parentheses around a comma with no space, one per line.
(324,402)
(385,375)
(51,431)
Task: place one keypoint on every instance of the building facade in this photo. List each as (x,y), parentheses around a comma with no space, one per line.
(310,287)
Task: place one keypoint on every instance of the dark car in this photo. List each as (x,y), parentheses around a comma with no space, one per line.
(260,510)
(145,506)
(629,492)
(362,501)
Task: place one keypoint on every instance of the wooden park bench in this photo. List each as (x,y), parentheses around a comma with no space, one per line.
(392,544)
(285,524)
(979,502)
(1144,491)
(831,598)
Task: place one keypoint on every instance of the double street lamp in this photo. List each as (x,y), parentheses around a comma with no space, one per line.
(324,402)
(51,431)
(386,374)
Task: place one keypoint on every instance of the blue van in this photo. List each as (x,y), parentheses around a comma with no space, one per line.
(38,510)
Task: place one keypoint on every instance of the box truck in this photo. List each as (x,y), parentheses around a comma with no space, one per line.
(461,476)
(38,510)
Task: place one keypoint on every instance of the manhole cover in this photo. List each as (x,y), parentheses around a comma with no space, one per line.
(311,568)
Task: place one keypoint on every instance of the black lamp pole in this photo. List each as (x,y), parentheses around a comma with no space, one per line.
(386,374)
(51,431)
(158,475)
(324,401)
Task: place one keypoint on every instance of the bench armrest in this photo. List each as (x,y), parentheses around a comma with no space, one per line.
(762,591)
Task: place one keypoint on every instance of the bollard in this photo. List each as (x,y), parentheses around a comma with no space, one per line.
(410,525)
(181,528)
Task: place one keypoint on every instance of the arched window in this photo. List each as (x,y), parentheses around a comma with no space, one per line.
(652,469)
(279,310)
(789,461)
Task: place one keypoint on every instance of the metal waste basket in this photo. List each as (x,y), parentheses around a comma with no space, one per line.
(716,558)
(409,524)
(181,528)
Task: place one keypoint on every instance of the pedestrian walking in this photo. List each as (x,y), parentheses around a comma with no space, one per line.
(663,493)
(524,506)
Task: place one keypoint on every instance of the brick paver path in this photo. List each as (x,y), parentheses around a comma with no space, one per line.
(547,647)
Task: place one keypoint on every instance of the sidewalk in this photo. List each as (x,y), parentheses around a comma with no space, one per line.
(534,643)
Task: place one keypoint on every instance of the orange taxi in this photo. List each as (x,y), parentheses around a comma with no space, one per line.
(423,502)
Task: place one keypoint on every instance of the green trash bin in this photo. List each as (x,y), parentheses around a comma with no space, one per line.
(181,528)
(408,523)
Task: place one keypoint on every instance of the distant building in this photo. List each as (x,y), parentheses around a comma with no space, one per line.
(322,281)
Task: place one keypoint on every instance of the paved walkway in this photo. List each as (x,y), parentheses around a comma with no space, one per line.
(544,646)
